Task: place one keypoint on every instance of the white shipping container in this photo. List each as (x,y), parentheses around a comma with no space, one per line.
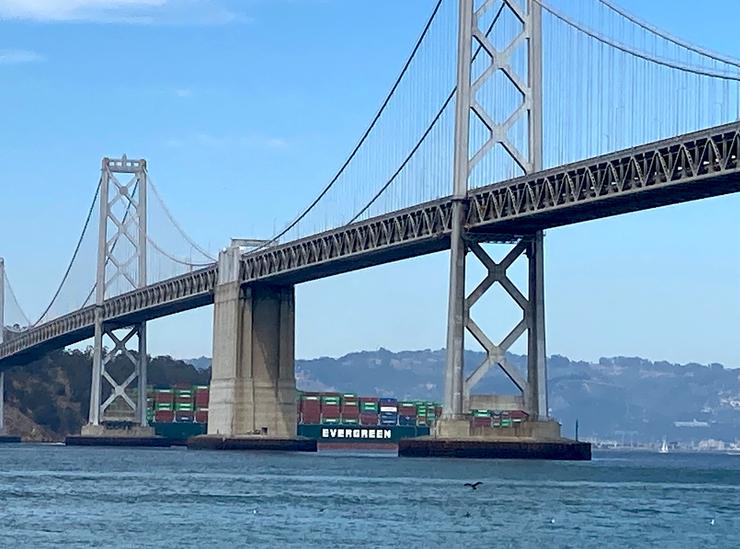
(389,409)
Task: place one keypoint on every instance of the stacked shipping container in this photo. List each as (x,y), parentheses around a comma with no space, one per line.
(188,404)
(388,411)
(164,405)
(369,410)
(201,403)
(184,404)
(331,412)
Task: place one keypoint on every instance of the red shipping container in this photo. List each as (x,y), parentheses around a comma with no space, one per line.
(369,419)
(330,409)
(408,411)
(201,416)
(310,419)
(166,398)
(369,399)
(164,416)
(518,414)
(201,399)
(481,422)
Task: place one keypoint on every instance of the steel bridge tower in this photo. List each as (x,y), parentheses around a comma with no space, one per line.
(471,35)
(121,267)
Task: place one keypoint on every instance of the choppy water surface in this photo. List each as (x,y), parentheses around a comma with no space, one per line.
(79,497)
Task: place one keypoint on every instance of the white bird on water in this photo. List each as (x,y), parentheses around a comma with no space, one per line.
(711,522)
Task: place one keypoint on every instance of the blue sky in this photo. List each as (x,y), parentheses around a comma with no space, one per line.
(245,108)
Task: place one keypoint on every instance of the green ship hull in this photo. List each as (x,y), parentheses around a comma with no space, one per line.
(179,433)
(350,434)
(324,433)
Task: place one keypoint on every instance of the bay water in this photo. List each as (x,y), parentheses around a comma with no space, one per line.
(54,496)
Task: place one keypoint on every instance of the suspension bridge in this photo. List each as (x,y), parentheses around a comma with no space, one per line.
(508,118)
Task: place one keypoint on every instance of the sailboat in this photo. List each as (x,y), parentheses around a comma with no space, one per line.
(664,447)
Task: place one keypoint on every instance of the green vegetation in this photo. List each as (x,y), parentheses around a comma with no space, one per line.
(54,391)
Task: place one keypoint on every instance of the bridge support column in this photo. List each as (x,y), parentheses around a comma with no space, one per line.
(253,389)
(119,375)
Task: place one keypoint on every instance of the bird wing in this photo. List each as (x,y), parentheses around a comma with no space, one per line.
(477,484)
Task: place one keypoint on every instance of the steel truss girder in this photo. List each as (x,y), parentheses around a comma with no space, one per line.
(626,174)
(426,222)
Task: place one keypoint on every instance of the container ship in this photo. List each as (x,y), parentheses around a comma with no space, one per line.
(332,419)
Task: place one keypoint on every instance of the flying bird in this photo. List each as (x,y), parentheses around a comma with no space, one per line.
(474,485)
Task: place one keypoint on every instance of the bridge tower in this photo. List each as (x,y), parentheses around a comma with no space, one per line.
(528,158)
(119,372)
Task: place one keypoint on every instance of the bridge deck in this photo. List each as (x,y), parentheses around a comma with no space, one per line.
(694,166)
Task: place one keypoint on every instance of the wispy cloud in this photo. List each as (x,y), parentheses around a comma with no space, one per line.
(16,57)
(120,11)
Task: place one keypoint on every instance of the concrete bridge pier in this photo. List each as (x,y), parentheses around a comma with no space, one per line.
(253,390)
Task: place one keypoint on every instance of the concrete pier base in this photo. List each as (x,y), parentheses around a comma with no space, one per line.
(456,437)
(100,435)
(454,428)
(257,443)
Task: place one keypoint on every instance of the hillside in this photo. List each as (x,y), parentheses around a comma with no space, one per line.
(50,398)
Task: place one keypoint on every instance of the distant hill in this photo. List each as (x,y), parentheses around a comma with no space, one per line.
(201,363)
(619,397)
